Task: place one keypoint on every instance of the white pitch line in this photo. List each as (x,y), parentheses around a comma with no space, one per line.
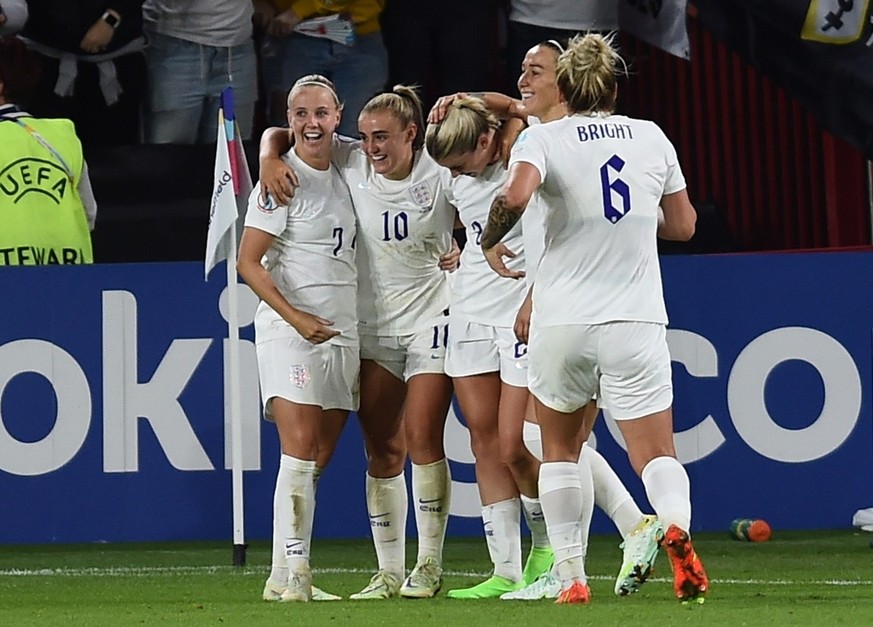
(149,571)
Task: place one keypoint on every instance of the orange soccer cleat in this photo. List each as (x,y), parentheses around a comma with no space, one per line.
(689,579)
(577,593)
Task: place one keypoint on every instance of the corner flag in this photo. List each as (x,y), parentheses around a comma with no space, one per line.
(231,188)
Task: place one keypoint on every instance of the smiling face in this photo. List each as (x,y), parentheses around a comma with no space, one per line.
(387,143)
(313,116)
(474,162)
(538,84)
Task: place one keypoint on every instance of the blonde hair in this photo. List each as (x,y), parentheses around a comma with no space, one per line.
(314,80)
(404,104)
(587,72)
(466,120)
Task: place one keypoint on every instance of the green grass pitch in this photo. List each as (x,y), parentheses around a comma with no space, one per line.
(798,578)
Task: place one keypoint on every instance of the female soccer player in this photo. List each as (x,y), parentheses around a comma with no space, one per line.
(601,178)
(404,237)
(458,147)
(306,324)
(487,363)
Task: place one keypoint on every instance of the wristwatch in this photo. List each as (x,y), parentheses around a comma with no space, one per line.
(111,19)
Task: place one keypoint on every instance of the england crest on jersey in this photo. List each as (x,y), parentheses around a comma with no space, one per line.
(421,195)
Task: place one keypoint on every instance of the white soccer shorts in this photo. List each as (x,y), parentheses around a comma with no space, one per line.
(480,348)
(405,356)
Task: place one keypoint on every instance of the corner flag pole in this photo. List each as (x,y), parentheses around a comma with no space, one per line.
(239,545)
(231,189)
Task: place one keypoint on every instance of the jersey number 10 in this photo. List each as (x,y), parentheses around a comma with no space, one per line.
(401,226)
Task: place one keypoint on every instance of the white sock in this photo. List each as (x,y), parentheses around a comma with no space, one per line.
(503,537)
(294,506)
(279,569)
(560,488)
(533,516)
(610,495)
(432,493)
(587,484)
(669,492)
(388,505)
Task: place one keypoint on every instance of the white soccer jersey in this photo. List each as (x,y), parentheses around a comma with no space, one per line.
(603,177)
(478,293)
(403,229)
(312,259)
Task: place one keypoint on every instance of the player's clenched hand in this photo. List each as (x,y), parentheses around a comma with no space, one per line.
(313,329)
(278,179)
(494,256)
(452,259)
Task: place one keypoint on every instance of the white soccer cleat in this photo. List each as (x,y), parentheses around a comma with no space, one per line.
(383,585)
(640,551)
(299,587)
(424,581)
(272,591)
(320,595)
(544,587)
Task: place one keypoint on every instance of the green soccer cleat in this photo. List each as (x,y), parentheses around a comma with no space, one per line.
(640,551)
(491,588)
(539,561)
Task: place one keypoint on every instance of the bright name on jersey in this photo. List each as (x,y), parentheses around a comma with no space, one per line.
(604,130)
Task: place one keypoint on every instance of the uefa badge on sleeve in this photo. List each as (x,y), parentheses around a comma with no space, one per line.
(266,204)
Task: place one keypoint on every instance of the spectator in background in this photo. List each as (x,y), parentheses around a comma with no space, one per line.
(340,39)
(197,48)
(534,21)
(445,47)
(90,53)
(46,206)
(13,15)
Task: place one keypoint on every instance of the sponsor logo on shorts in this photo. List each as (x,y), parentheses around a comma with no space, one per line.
(299,375)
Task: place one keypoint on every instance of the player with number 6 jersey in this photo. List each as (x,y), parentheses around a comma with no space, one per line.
(601,179)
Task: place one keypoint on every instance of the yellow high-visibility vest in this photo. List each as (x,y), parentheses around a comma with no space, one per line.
(42,218)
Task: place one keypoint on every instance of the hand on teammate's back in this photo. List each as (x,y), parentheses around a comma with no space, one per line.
(452,259)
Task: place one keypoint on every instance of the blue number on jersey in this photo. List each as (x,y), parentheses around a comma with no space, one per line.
(338,235)
(401,226)
(477,228)
(610,211)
